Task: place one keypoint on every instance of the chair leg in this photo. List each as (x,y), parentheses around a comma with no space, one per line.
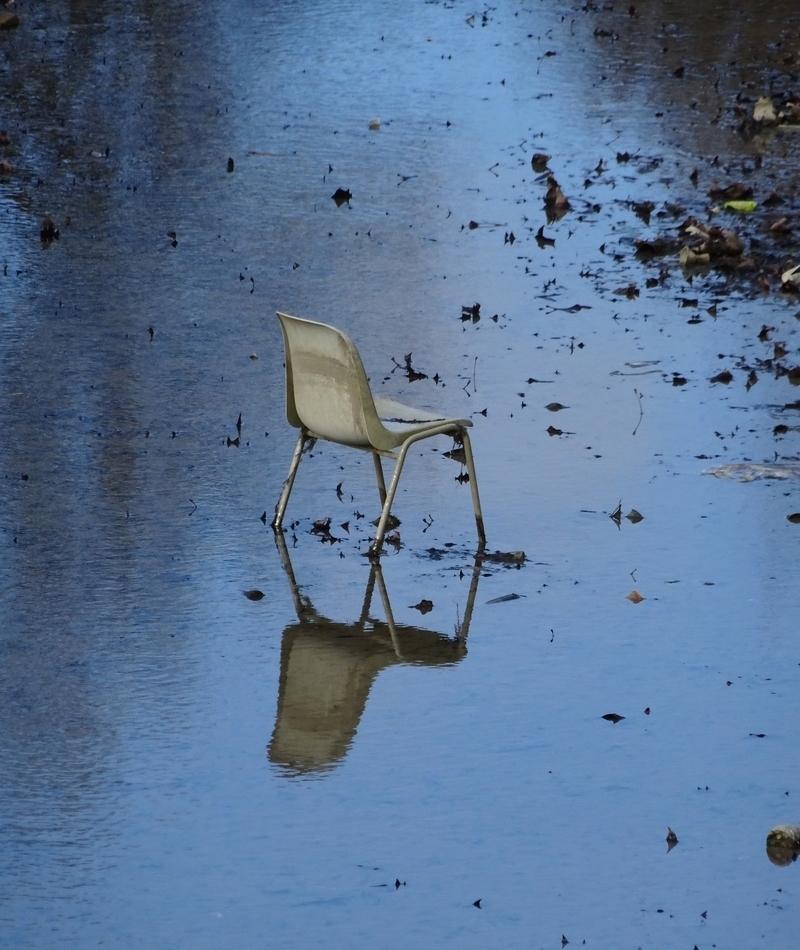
(377,544)
(283,501)
(379,474)
(473,484)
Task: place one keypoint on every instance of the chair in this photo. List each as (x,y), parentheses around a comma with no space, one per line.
(328,397)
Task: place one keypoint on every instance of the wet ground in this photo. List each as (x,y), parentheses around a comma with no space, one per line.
(185,766)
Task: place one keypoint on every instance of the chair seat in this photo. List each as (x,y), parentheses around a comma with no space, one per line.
(405,420)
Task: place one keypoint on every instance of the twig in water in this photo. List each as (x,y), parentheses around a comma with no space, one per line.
(641,411)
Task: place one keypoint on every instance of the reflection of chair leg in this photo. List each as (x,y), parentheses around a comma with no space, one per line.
(302,605)
(379,474)
(283,501)
(463,628)
(387,608)
(473,484)
(362,620)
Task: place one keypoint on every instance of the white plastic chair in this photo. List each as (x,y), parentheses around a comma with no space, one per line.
(328,397)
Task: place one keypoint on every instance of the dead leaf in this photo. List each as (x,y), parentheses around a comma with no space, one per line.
(253,594)
(471,313)
(634,516)
(555,202)
(504,598)
(724,377)
(506,557)
(672,839)
(635,597)
(781,226)
(341,196)
(689,257)
(555,407)
(424,606)
(539,162)
(794,518)
(630,291)
(791,277)
(764,111)
(551,430)
(733,192)
(643,210)
(612,717)
(543,241)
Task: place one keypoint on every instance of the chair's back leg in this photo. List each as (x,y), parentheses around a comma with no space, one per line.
(473,484)
(379,474)
(283,501)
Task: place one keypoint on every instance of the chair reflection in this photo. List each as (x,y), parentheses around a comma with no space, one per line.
(328,667)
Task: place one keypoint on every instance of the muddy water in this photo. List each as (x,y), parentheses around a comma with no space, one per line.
(181,766)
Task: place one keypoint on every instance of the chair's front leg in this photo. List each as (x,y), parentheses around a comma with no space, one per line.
(283,501)
(375,547)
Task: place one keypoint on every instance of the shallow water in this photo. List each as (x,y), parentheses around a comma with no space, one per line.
(181,766)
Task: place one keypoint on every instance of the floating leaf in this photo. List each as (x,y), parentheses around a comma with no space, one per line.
(555,407)
(542,240)
(341,196)
(635,597)
(672,839)
(424,606)
(724,377)
(504,598)
(505,557)
(764,111)
(539,162)
(253,594)
(551,430)
(612,717)
(634,517)
(794,518)
(743,207)
(791,277)
(689,257)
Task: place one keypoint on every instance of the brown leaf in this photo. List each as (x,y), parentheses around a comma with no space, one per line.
(635,597)
(634,516)
(735,192)
(424,606)
(539,162)
(253,594)
(724,377)
(555,407)
(795,518)
(672,839)
(630,291)
(612,717)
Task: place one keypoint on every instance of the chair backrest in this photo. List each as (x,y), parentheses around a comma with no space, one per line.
(326,387)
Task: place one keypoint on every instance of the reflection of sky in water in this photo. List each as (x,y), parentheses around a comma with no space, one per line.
(139,690)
